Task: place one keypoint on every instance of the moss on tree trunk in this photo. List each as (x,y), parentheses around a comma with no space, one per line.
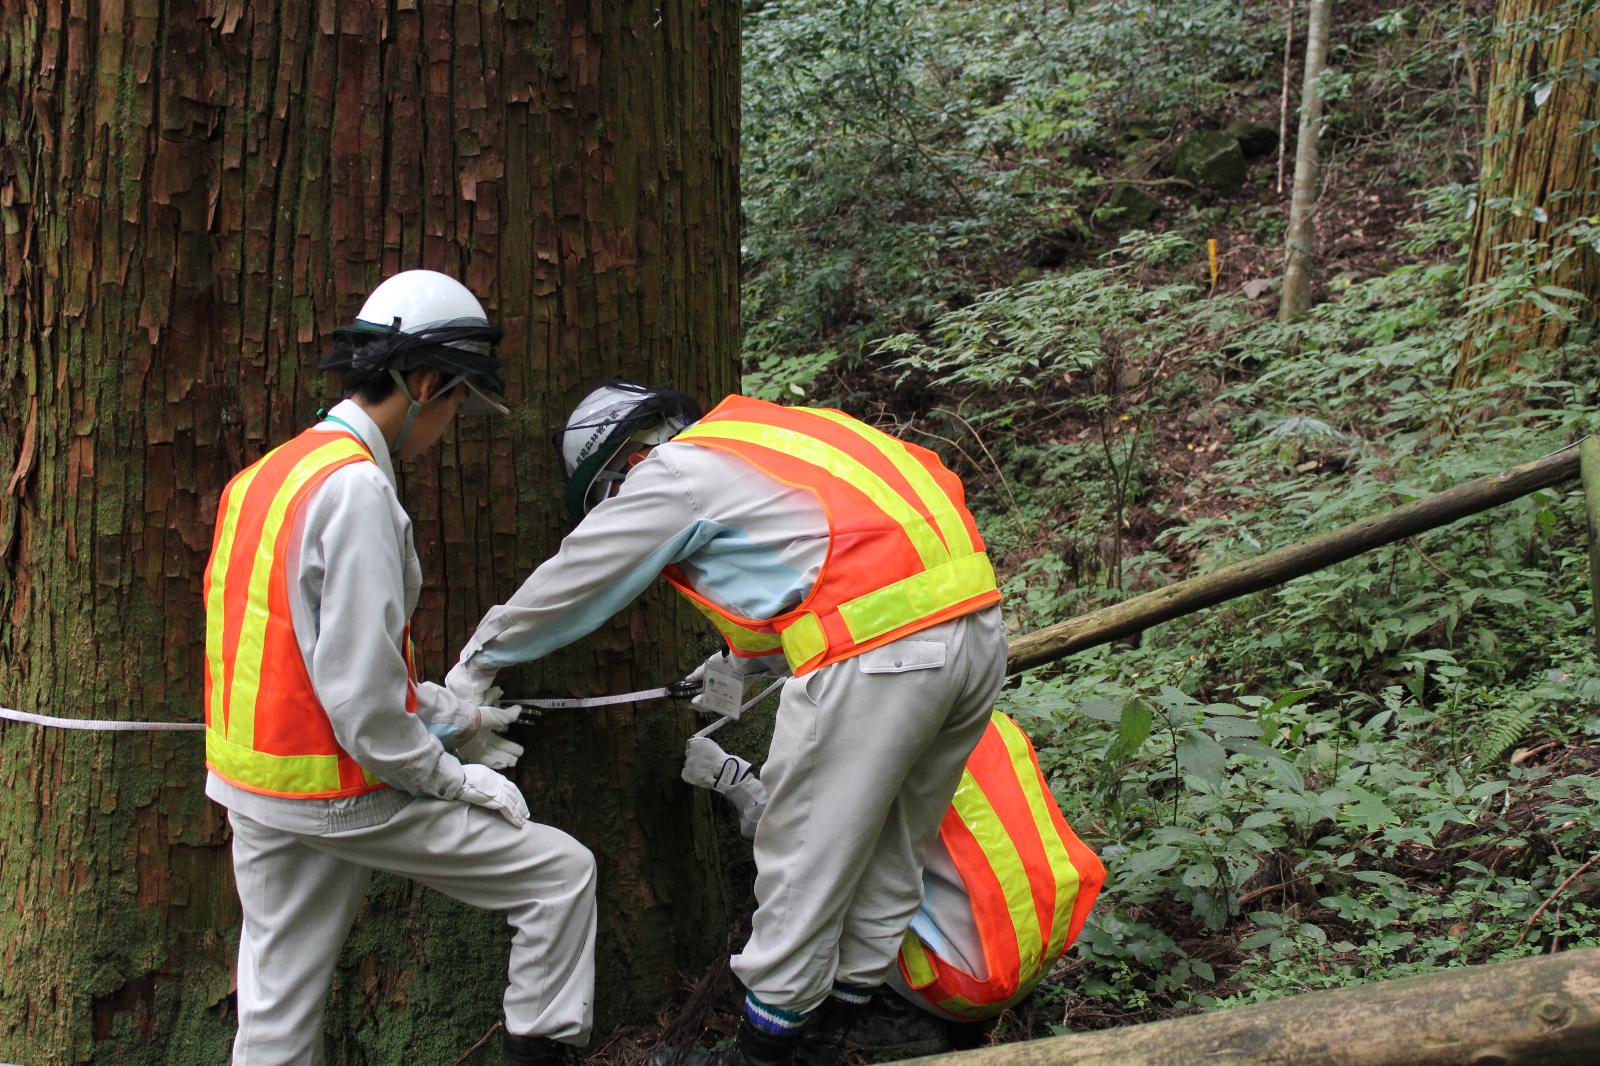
(193,193)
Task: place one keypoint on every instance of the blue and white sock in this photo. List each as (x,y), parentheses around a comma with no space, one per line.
(854,995)
(774,1020)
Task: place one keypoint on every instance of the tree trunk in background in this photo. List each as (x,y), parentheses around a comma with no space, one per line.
(1537,175)
(1300,242)
(193,193)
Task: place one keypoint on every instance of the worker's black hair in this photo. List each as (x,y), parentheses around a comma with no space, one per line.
(363,355)
(373,388)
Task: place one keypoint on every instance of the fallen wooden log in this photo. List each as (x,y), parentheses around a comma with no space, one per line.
(1285,564)
(1543,1011)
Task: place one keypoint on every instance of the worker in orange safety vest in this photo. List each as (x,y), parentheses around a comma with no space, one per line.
(1007,886)
(332,759)
(824,551)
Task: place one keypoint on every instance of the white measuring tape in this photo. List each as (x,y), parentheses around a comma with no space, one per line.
(101,725)
(725,719)
(98,725)
(590,701)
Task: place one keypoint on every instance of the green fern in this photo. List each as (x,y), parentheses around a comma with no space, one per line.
(1506,724)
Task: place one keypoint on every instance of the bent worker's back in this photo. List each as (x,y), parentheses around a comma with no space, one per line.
(820,548)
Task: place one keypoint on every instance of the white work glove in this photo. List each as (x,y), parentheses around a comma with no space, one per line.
(471,681)
(482,745)
(487,749)
(708,766)
(469,718)
(484,787)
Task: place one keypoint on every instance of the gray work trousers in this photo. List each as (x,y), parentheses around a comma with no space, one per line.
(300,894)
(866,756)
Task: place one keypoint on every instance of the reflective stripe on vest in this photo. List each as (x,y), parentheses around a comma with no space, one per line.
(266,731)
(903,550)
(1031,881)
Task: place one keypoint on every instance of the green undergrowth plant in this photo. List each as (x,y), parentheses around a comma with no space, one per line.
(1099,347)
(1314,838)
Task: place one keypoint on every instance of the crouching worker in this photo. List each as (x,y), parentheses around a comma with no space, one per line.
(1006,884)
(821,548)
(328,754)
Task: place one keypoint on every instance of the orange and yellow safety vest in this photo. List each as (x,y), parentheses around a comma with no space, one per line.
(266,731)
(1030,879)
(903,551)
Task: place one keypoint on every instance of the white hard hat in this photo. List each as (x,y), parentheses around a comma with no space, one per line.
(419,299)
(615,413)
(430,316)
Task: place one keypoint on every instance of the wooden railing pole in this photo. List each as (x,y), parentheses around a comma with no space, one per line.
(1285,564)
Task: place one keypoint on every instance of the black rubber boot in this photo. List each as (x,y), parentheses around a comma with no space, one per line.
(822,1037)
(532,1051)
(891,1023)
(751,1047)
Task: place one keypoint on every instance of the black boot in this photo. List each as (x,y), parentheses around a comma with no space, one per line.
(751,1047)
(822,1037)
(532,1050)
(892,1023)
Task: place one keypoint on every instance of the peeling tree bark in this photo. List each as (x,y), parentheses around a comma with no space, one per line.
(193,193)
(1537,175)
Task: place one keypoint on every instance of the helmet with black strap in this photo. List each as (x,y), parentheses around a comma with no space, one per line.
(594,443)
(421,320)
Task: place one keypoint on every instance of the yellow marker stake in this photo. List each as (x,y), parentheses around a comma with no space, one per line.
(1211,256)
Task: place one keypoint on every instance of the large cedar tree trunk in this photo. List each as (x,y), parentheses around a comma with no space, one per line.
(193,193)
(1537,175)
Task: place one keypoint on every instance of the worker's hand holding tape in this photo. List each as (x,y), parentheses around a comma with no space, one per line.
(489,750)
(483,745)
(708,766)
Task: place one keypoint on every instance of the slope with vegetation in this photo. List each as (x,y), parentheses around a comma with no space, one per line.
(963,222)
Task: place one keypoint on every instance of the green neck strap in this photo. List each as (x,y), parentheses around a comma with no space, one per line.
(356,432)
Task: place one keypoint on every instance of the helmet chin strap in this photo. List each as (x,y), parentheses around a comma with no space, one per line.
(416,406)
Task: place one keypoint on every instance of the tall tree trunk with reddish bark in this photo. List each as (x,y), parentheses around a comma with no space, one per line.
(193,193)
